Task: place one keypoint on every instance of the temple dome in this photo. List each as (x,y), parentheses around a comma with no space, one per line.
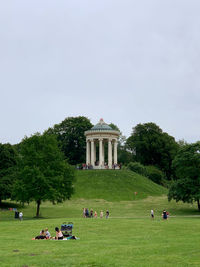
(101,126)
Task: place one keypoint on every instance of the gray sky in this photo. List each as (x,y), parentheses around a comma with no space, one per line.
(126,61)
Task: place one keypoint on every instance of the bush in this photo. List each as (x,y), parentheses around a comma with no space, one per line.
(154,174)
(137,167)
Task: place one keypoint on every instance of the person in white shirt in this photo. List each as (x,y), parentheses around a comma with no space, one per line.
(48,235)
(152,214)
(21,216)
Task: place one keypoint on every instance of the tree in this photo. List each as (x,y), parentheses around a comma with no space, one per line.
(186,187)
(70,134)
(151,146)
(124,156)
(42,173)
(8,159)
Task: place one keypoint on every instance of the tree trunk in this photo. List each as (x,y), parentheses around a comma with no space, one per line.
(198,203)
(38,208)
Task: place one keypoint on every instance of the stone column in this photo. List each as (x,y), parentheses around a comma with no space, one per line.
(92,152)
(88,152)
(103,154)
(109,153)
(100,152)
(95,155)
(115,152)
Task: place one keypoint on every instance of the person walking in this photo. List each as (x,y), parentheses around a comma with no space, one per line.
(152,214)
(164,215)
(21,216)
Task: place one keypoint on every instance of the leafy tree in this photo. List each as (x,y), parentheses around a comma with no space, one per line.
(124,156)
(122,138)
(187,170)
(70,134)
(42,173)
(151,146)
(8,158)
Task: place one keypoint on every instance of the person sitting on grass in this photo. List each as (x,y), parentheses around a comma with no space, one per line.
(48,235)
(59,234)
(40,236)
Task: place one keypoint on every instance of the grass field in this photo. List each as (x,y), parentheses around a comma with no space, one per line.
(128,238)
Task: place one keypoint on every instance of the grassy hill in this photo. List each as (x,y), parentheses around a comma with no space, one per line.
(128,238)
(114,185)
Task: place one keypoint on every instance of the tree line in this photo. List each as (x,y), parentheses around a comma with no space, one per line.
(39,167)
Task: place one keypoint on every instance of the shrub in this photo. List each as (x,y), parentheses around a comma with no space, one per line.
(154,174)
(137,167)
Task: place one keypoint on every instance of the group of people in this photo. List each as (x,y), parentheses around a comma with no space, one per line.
(92,214)
(45,234)
(91,167)
(165,214)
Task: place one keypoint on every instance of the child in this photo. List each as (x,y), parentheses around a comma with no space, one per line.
(48,235)
(101,214)
(107,214)
(95,214)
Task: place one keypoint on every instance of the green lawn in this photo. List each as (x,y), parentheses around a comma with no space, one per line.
(128,238)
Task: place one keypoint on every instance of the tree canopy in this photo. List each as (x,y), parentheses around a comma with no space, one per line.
(151,146)
(8,159)
(186,186)
(42,173)
(70,134)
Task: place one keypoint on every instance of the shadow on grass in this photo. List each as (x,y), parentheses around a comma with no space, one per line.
(185,211)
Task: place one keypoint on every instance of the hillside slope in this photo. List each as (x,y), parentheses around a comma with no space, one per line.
(114,185)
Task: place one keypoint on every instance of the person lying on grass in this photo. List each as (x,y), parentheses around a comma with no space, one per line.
(42,235)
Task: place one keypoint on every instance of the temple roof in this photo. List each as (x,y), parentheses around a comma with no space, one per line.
(101,126)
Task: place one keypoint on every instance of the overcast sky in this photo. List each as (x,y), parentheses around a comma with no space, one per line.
(126,61)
